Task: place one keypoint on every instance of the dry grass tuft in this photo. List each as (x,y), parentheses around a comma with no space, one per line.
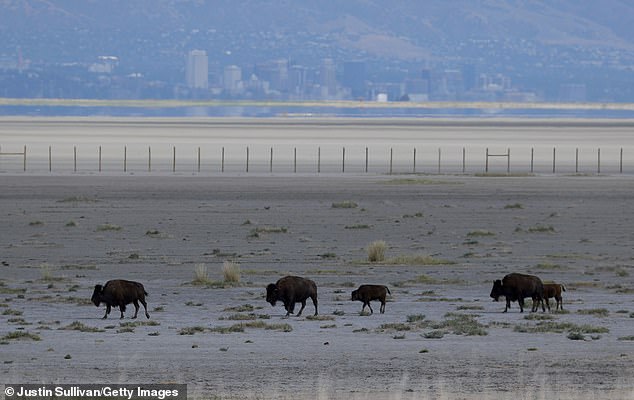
(201,275)
(231,272)
(376,251)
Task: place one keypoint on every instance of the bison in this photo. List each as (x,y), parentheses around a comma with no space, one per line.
(290,290)
(516,287)
(119,293)
(554,290)
(367,293)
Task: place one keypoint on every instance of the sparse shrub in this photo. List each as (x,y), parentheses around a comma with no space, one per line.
(417,260)
(201,275)
(71,223)
(338,312)
(36,223)
(78,326)
(576,336)
(15,335)
(513,206)
(480,232)
(10,311)
(626,338)
(328,255)
(435,334)
(415,318)
(345,204)
(108,227)
(541,229)
(357,226)
(376,251)
(598,312)
(395,326)
(231,272)
(191,330)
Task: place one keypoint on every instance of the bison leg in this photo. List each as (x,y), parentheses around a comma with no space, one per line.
(107,311)
(302,309)
(548,305)
(382,307)
(520,301)
(136,308)
(314,298)
(370,307)
(145,307)
(560,303)
(508,305)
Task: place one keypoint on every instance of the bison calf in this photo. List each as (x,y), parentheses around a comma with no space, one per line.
(119,293)
(367,293)
(554,290)
(290,290)
(516,287)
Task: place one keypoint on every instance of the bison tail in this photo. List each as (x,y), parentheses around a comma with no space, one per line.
(145,293)
(563,287)
(388,290)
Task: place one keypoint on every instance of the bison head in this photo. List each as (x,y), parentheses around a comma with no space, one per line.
(96,295)
(355,295)
(497,290)
(272,293)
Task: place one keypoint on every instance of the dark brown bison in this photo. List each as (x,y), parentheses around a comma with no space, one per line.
(290,290)
(119,293)
(367,293)
(554,290)
(516,287)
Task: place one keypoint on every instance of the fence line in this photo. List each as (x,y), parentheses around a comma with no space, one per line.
(442,164)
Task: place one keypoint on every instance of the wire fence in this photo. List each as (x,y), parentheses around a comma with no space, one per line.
(316,159)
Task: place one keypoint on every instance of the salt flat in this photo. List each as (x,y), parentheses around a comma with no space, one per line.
(448,237)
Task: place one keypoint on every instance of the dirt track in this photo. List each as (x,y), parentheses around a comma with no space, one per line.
(61,236)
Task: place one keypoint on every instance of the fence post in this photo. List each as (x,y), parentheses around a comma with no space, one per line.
(99,158)
(74,158)
(222,161)
(318,159)
(577,160)
(271,161)
(50,161)
(247,158)
(463,160)
(343,160)
(414,163)
(599,160)
(198,159)
(149,159)
(24,160)
(366,159)
(125,158)
(508,160)
(295,160)
(174,159)
(621,162)
(554,155)
(486,163)
(391,159)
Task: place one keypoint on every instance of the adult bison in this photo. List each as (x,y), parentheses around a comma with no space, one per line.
(290,290)
(554,290)
(516,287)
(367,293)
(119,293)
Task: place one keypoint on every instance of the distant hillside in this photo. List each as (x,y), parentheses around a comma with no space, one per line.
(400,29)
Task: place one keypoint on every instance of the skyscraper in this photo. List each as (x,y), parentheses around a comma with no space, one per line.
(328,77)
(197,69)
(232,78)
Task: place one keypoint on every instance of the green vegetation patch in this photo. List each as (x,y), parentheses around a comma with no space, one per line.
(19,335)
(559,327)
(78,326)
(597,312)
(345,204)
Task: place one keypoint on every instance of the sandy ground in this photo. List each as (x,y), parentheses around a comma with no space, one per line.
(63,234)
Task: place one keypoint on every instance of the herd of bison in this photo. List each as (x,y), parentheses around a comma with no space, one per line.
(294,289)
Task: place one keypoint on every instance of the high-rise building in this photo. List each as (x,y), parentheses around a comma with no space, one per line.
(197,69)
(328,77)
(232,78)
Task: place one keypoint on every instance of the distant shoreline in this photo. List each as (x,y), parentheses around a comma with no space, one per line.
(345,104)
